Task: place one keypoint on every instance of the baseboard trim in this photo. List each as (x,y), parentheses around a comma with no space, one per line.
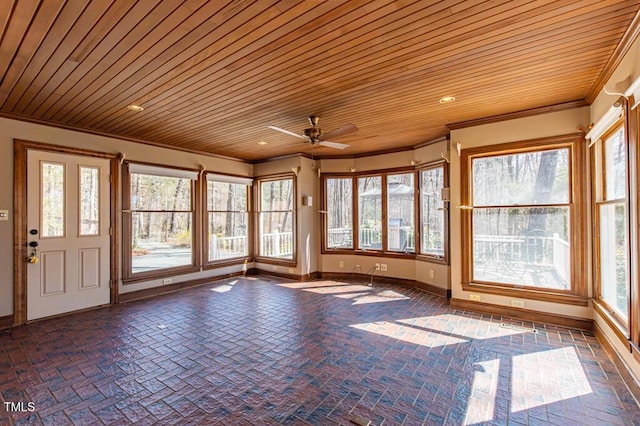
(156,291)
(6,322)
(346,276)
(302,278)
(523,314)
(633,383)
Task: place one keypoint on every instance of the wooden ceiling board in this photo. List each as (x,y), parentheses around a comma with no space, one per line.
(209,112)
(213,75)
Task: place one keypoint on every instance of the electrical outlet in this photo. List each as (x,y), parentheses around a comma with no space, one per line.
(341,264)
(517,303)
(377,266)
(291,270)
(432,273)
(383,266)
(474,297)
(274,268)
(167,281)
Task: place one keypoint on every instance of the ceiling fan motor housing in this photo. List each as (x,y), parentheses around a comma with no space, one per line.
(313,134)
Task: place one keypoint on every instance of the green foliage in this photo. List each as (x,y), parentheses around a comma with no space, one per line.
(183,239)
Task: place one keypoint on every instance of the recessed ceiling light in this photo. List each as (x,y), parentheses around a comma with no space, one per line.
(447,99)
(136,108)
(262,143)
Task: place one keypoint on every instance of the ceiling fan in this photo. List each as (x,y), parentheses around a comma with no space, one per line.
(315,136)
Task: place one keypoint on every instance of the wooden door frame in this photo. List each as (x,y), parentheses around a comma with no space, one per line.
(20,252)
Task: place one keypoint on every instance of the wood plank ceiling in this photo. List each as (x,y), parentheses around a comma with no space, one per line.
(212,75)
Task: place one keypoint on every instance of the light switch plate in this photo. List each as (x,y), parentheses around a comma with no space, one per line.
(4,214)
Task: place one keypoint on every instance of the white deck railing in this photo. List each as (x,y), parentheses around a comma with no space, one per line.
(525,251)
(277,245)
(227,247)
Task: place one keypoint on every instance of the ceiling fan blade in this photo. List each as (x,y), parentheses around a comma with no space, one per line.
(336,145)
(349,128)
(287,132)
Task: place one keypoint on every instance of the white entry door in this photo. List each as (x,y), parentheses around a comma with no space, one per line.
(68,207)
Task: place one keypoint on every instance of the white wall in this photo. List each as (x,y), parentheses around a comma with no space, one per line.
(552,124)
(13,129)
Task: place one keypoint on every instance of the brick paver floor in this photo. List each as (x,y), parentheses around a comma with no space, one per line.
(267,351)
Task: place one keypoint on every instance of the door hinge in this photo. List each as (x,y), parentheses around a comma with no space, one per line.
(110,178)
(110,231)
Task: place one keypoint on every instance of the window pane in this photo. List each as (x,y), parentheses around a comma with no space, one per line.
(615,166)
(614,276)
(277,195)
(160,193)
(522,179)
(432,211)
(228,235)
(522,246)
(52,203)
(223,196)
(276,235)
(89,201)
(160,240)
(339,213)
(370,212)
(400,213)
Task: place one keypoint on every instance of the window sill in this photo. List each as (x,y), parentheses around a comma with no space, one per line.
(432,259)
(618,328)
(527,293)
(276,261)
(164,273)
(215,264)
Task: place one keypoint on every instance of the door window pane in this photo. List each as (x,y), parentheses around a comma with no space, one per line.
(400,213)
(530,178)
(432,211)
(339,213)
(52,177)
(522,246)
(370,212)
(89,200)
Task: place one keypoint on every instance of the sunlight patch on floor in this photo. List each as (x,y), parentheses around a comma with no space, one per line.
(481,403)
(313,284)
(338,289)
(462,326)
(378,297)
(408,334)
(223,288)
(359,293)
(545,377)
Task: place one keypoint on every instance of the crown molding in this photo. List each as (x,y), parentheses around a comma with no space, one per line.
(628,38)
(518,114)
